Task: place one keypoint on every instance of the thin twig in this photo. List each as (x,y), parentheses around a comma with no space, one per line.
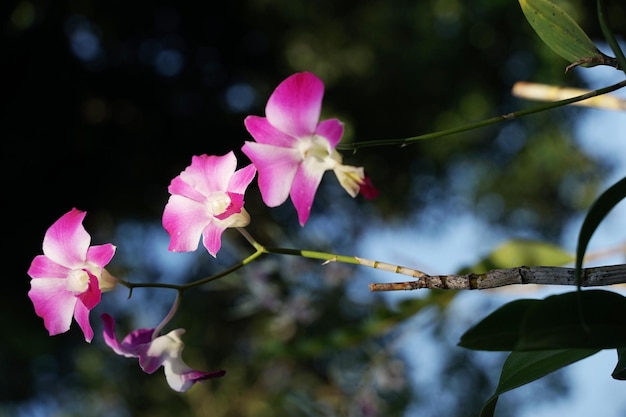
(542,275)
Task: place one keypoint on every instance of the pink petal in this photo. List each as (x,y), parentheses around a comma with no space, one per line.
(241,179)
(179,187)
(331,129)
(101,255)
(367,190)
(44,267)
(183,381)
(212,237)
(276,166)
(184,220)
(66,241)
(303,191)
(235,206)
(263,132)
(132,344)
(295,105)
(91,297)
(81,315)
(210,173)
(53,303)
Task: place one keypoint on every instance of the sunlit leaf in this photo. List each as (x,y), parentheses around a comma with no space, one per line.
(555,322)
(562,34)
(520,368)
(620,369)
(500,330)
(522,252)
(598,210)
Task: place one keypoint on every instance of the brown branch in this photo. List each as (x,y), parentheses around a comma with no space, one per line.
(542,275)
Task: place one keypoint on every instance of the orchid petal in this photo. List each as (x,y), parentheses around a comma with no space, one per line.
(263,132)
(277,167)
(165,350)
(303,191)
(295,105)
(212,237)
(66,241)
(101,255)
(332,130)
(65,280)
(207,192)
(241,179)
(53,303)
(81,315)
(44,267)
(184,220)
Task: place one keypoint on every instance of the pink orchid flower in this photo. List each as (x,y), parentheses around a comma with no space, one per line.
(156,351)
(293,148)
(206,199)
(68,279)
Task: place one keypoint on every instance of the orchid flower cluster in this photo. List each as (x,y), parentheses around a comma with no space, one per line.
(291,151)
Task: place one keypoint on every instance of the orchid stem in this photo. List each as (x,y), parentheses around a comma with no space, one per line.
(482,123)
(169,316)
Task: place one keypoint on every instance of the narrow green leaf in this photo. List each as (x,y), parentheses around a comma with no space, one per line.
(610,37)
(620,369)
(500,330)
(554,323)
(598,210)
(520,368)
(561,33)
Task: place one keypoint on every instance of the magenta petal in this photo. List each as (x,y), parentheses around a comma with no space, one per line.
(101,255)
(212,238)
(263,132)
(303,191)
(184,220)
(91,297)
(276,166)
(295,105)
(368,190)
(81,315)
(332,130)
(53,303)
(210,173)
(241,179)
(44,267)
(180,187)
(66,241)
(236,205)
(133,343)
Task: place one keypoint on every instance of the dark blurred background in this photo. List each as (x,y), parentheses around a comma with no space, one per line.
(104,102)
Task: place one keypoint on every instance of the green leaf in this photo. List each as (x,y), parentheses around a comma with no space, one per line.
(500,330)
(555,322)
(562,34)
(598,210)
(522,252)
(520,368)
(620,369)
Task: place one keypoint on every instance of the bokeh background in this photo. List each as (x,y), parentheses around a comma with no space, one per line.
(104,102)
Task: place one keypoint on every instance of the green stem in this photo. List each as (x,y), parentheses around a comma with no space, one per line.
(354,260)
(182,287)
(260,250)
(482,123)
(610,37)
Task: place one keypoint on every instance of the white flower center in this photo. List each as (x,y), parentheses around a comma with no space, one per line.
(77,281)
(217,203)
(316,154)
